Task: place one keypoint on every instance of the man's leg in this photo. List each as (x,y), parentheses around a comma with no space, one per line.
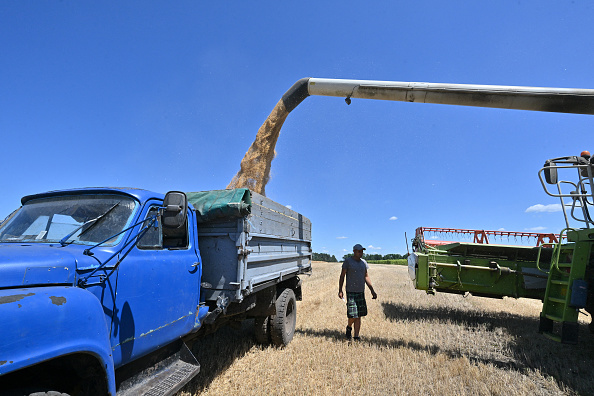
(349,327)
(357,323)
(361,311)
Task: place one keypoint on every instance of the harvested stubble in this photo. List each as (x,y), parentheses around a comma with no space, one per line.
(412,343)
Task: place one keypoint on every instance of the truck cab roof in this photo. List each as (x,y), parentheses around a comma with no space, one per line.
(137,193)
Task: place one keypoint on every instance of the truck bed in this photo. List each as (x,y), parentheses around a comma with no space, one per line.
(247,242)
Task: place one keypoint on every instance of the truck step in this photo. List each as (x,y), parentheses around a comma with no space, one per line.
(166,378)
(170,380)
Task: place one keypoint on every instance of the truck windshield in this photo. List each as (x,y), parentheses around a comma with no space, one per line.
(54,218)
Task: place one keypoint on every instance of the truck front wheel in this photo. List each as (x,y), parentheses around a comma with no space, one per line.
(282,325)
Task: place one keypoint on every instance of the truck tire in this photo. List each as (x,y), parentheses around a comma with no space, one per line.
(282,325)
(262,330)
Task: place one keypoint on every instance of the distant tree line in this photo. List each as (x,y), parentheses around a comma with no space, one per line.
(324,257)
(368,257)
(376,257)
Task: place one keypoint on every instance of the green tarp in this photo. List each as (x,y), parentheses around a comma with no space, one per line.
(216,204)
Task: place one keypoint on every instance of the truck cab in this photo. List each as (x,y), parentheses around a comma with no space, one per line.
(77,254)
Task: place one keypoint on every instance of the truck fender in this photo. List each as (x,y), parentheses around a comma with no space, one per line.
(292,283)
(43,323)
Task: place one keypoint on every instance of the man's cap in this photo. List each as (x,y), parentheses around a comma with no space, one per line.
(358,247)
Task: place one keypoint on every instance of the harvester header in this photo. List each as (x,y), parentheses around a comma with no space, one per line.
(482,236)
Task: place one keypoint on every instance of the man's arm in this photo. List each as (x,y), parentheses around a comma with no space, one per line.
(341,282)
(368,282)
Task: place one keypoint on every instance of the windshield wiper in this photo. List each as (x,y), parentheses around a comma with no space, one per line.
(94,221)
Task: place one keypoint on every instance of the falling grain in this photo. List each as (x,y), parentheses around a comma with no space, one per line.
(255,165)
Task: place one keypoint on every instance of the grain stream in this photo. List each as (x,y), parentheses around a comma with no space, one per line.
(254,171)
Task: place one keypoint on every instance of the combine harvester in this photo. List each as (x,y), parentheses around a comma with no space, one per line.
(557,273)
(560,274)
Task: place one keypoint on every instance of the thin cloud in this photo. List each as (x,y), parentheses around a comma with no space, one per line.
(540,208)
(393,218)
(501,229)
(289,206)
(342,237)
(374,247)
(535,229)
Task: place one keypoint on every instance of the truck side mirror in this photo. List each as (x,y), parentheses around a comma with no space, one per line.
(550,172)
(175,209)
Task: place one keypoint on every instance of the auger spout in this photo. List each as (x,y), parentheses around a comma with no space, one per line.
(255,166)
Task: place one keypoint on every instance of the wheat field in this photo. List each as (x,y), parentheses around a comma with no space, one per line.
(412,344)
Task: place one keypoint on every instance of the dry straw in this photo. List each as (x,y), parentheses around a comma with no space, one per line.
(412,344)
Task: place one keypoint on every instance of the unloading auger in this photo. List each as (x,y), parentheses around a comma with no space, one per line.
(254,172)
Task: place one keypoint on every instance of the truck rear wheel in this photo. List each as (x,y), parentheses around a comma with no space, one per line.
(282,325)
(262,330)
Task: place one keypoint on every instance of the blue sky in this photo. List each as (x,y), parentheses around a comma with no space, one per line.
(169,96)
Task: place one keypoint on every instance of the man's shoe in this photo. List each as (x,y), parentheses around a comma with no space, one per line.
(357,339)
(348,332)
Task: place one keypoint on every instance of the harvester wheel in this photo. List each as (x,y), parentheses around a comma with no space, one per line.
(282,325)
(262,330)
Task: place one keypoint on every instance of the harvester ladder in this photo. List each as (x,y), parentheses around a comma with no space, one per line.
(567,270)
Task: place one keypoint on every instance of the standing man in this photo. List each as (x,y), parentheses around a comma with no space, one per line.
(355,269)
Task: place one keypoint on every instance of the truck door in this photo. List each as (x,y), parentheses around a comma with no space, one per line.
(157,291)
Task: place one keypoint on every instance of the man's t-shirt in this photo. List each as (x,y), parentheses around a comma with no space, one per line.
(355,274)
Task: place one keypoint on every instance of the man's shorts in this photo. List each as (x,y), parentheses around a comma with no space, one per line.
(356,305)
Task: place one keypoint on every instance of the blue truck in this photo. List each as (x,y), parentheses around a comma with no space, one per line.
(103,290)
